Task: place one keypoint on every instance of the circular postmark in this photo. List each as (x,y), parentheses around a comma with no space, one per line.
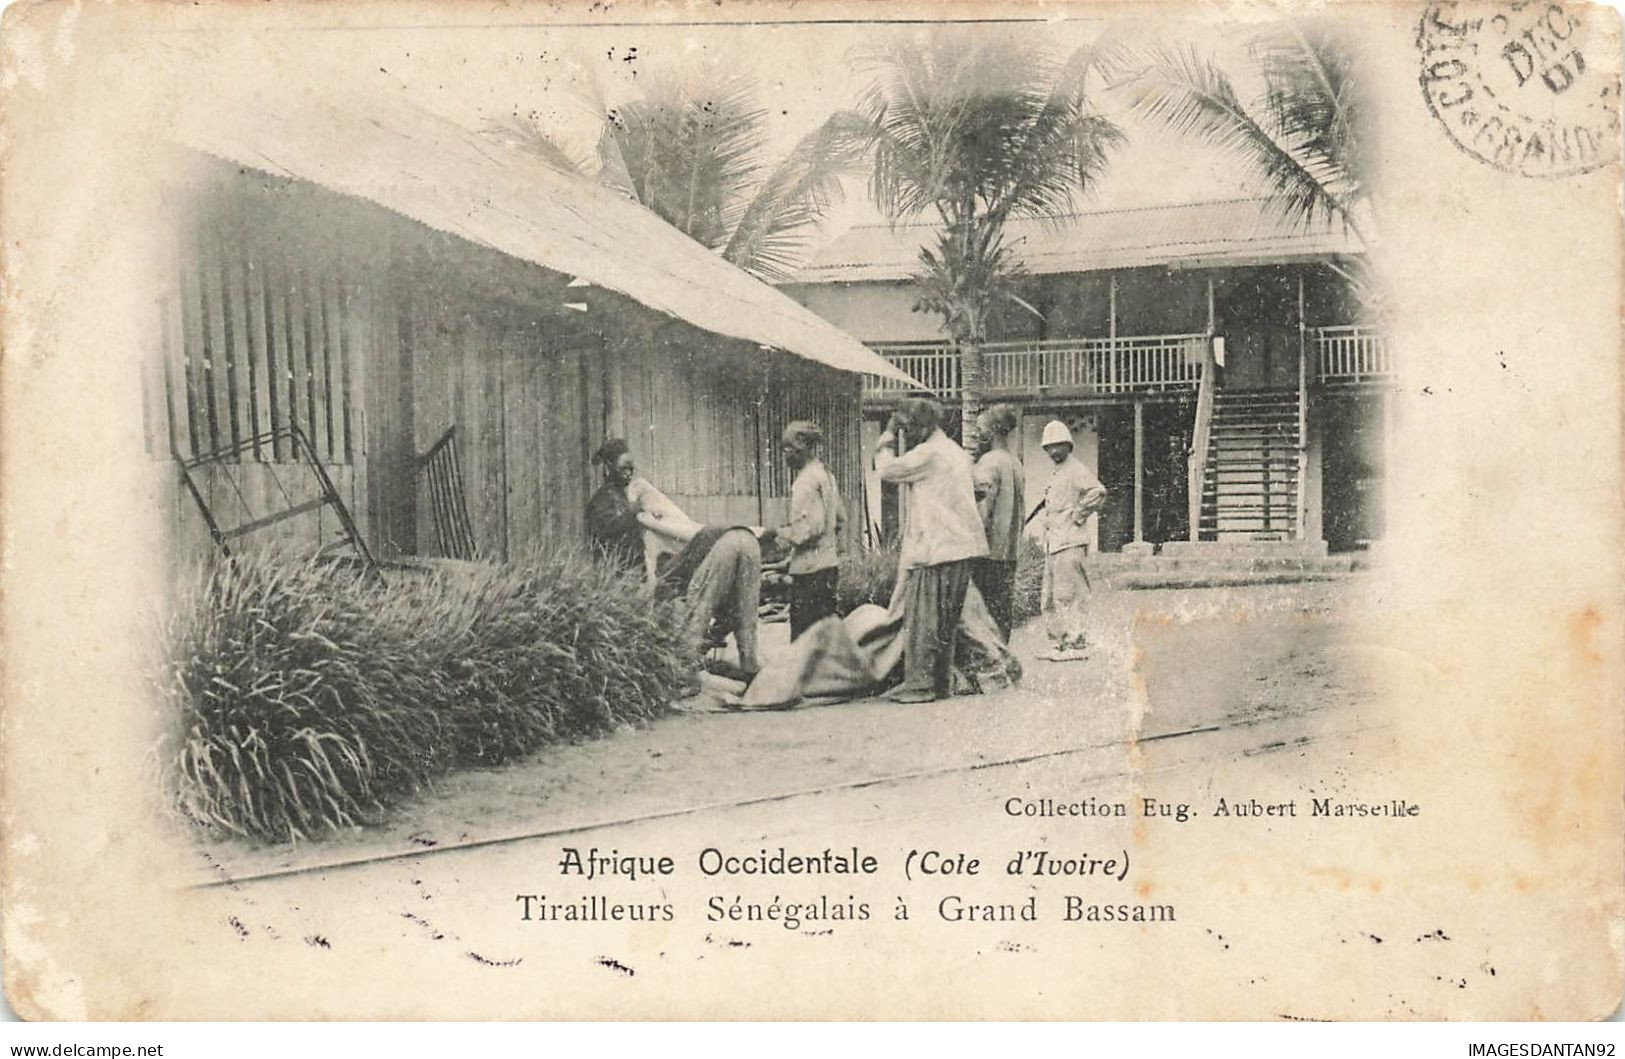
(1524,86)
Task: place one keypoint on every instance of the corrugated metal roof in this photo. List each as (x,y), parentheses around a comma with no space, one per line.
(452,179)
(1226,232)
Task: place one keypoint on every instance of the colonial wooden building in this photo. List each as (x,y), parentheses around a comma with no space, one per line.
(406,297)
(1210,357)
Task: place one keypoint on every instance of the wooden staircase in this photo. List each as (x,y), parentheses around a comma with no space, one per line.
(1250,480)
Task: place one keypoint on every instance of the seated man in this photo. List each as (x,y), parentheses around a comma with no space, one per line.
(612,513)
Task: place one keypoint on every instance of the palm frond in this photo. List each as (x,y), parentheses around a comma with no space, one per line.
(770,236)
(979,130)
(905,106)
(613,172)
(1312,96)
(689,150)
(1188,92)
(525,133)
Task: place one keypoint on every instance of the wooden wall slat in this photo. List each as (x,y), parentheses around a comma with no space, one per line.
(258,360)
(448,355)
(239,375)
(176,383)
(556,452)
(200,346)
(530,416)
(466,413)
(428,415)
(330,385)
(387,423)
(592,411)
(217,363)
(293,317)
(316,361)
(568,424)
(548,521)
(488,362)
(278,348)
(517,479)
(353,335)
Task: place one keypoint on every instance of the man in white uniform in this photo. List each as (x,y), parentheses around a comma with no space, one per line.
(1073,495)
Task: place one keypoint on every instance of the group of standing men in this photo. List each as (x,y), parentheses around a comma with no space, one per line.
(963,520)
(963,523)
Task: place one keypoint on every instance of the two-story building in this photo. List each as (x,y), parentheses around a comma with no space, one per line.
(1211,358)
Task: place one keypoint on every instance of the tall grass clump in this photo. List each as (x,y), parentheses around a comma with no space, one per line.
(867,575)
(1026,595)
(871,574)
(305,698)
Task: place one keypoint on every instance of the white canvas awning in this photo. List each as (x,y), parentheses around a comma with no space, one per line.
(450,178)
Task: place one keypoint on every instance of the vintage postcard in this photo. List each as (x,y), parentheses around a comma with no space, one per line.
(812,511)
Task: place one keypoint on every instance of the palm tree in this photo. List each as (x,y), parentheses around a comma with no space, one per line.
(975,132)
(1299,132)
(693,149)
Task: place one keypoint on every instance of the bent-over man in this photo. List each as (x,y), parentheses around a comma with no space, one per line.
(716,569)
(718,573)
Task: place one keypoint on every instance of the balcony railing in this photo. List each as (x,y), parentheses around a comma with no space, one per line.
(1128,364)
(1353,353)
(934,363)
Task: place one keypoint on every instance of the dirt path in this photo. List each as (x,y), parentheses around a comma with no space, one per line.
(1166,661)
(1270,681)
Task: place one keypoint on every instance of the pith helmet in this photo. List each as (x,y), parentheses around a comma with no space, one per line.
(1056,433)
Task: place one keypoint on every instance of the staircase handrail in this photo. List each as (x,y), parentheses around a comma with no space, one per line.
(1195,471)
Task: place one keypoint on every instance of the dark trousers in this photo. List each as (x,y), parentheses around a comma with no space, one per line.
(812,598)
(995,579)
(932,599)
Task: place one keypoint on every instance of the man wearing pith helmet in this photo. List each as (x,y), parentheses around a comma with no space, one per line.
(1074,493)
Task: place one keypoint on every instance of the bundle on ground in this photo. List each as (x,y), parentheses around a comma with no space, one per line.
(305,698)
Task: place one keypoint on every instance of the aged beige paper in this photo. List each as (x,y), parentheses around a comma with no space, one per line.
(1343,739)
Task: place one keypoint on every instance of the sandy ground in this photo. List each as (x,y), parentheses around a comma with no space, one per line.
(1183,659)
(1261,695)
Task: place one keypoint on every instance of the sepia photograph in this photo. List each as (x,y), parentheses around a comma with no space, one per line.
(1092,511)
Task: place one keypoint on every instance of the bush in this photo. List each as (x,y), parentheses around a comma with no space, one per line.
(867,576)
(306,698)
(1027,594)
